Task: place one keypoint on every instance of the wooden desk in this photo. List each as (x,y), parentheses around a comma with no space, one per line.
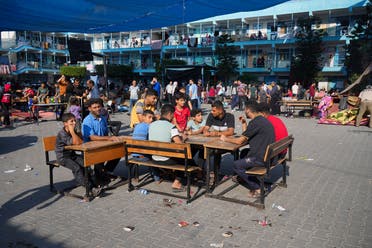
(55,105)
(95,152)
(200,139)
(214,148)
(290,106)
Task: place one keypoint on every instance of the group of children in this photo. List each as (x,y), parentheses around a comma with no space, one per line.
(185,122)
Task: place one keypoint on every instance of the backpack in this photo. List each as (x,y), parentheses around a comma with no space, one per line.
(6,98)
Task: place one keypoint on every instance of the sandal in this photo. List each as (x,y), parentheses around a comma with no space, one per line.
(254,194)
(178,190)
(211,179)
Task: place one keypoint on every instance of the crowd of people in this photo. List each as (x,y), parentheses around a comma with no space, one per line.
(175,118)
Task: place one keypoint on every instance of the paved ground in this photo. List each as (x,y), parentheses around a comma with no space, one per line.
(328,200)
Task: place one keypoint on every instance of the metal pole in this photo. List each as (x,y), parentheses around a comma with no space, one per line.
(105,74)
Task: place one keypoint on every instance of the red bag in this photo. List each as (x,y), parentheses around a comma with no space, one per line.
(6,98)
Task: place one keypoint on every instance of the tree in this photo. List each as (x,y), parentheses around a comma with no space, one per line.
(305,65)
(73,71)
(359,50)
(227,67)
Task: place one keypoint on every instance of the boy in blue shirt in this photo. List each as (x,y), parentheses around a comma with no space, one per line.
(141,132)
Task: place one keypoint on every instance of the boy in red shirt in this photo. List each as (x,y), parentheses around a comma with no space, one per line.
(181,113)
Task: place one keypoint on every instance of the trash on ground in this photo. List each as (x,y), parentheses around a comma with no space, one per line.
(9,171)
(280,208)
(143,192)
(309,159)
(183,224)
(196,223)
(168,202)
(128,228)
(28,168)
(217,245)
(2,157)
(264,222)
(9,182)
(227,234)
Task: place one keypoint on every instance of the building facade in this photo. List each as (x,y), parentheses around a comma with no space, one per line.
(264,39)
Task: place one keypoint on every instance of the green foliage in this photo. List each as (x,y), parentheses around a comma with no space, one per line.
(73,71)
(123,72)
(359,51)
(306,64)
(227,67)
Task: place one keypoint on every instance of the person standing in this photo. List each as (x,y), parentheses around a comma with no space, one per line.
(193,93)
(242,92)
(312,91)
(259,133)
(157,87)
(133,95)
(93,91)
(365,98)
(275,97)
(169,91)
(234,95)
(64,94)
(6,103)
(295,89)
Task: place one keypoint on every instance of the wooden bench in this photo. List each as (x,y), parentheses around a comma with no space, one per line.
(172,150)
(273,159)
(291,106)
(49,144)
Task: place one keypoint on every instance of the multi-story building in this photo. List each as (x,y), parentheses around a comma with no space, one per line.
(264,39)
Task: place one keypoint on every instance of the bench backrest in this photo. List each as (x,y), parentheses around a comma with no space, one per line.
(49,143)
(278,147)
(166,149)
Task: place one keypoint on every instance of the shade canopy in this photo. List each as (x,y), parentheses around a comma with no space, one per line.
(98,16)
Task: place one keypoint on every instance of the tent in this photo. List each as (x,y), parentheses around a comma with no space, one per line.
(182,73)
(97,16)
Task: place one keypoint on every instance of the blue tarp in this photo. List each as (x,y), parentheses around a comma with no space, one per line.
(98,16)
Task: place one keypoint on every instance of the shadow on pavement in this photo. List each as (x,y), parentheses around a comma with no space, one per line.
(15,236)
(12,143)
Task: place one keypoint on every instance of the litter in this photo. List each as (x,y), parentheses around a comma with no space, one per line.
(28,168)
(217,245)
(143,192)
(227,234)
(196,223)
(183,224)
(9,171)
(168,202)
(264,222)
(309,159)
(280,208)
(2,157)
(9,182)
(128,228)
